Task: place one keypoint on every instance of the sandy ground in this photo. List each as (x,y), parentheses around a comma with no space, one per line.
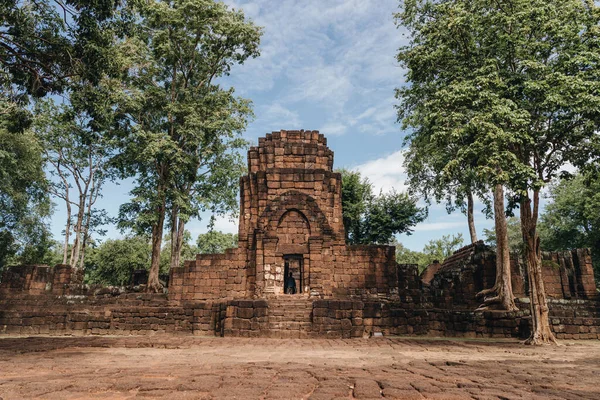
(232,368)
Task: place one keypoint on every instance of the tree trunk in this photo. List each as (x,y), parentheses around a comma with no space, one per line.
(177,231)
(86,236)
(88,221)
(503,287)
(541,332)
(77,232)
(67,232)
(470,217)
(154,284)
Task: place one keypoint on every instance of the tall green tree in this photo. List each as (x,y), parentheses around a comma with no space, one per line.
(214,242)
(516,84)
(376,219)
(449,113)
(77,159)
(24,203)
(181,134)
(113,261)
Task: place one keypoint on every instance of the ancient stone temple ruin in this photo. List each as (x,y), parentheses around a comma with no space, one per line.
(290,223)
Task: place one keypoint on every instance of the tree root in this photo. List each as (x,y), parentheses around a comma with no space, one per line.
(488,301)
(154,287)
(536,340)
(486,292)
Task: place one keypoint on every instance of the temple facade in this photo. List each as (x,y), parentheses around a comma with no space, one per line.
(290,221)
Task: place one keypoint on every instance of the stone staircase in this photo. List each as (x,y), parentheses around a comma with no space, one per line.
(290,316)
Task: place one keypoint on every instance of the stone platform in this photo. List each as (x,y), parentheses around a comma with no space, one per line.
(143,314)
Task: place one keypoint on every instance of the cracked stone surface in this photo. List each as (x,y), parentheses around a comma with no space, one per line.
(234,368)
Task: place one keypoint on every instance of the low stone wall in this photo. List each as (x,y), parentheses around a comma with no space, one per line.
(145,314)
(339,318)
(39,279)
(210,277)
(139,314)
(244,318)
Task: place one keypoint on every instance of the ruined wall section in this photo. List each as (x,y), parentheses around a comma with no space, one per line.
(567,275)
(365,271)
(211,276)
(40,279)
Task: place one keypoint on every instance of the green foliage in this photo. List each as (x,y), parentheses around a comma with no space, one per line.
(181,135)
(550,264)
(188,252)
(407,256)
(571,219)
(46,47)
(45,44)
(113,262)
(515,237)
(215,242)
(24,202)
(390,214)
(375,219)
(513,89)
(436,249)
(443,247)
(356,195)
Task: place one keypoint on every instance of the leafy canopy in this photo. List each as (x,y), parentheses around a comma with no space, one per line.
(376,219)
(512,88)
(215,242)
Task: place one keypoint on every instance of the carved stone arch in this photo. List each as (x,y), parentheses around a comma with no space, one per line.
(300,202)
(294,211)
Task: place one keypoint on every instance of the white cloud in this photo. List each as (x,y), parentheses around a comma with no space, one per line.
(333,129)
(335,56)
(385,173)
(226,224)
(275,116)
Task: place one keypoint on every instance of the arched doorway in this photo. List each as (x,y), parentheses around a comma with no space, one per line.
(293,232)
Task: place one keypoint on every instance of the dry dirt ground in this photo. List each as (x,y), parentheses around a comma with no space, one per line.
(216,368)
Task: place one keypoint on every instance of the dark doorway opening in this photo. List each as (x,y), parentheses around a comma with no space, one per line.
(293,263)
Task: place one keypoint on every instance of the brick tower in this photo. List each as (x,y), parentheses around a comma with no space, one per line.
(290,222)
(291,211)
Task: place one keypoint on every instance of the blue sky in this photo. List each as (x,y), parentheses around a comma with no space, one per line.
(327,65)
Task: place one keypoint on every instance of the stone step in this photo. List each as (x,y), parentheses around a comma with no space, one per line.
(279,311)
(290,304)
(290,325)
